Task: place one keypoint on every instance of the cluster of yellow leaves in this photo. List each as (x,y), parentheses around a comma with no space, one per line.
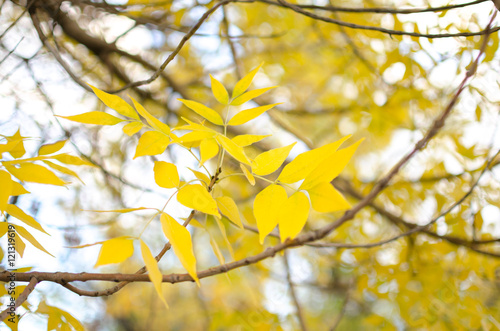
(272,206)
(16,170)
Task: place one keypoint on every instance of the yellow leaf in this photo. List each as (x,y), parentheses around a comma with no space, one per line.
(151,143)
(9,146)
(132,128)
(62,169)
(115,250)
(248,139)
(293,215)
(71,160)
(478,221)
(18,213)
(19,245)
(166,174)
(180,238)
(233,149)
(121,211)
(195,127)
(249,114)
(51,148)
(18,149)
(325,198)
(153,121)
(29,172)
(305,162)
(73,321)
(6,184)
(228,208)
(266,207)
(29,237)
(201,176)
(196,197)
(115,102)
(208,149)
(18,189)
(250,95)
(216,249)
(248,174)
(331,167)
(223,232)
(153,270)
(196,136)
(243,84)
(94,117)
(203,111)
(268,162)
(219,91)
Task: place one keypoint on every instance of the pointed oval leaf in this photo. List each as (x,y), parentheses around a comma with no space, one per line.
(201,176)
(331,167)
(153,121)
(29,237)
(115,102)
(266,207)
(29,172)
(18,149)
(233,149)
(268,162)
(196,197)
(132,128)
(223,232)
(153,270)
(196,136)
(94,117)
(325,198)
(18,189)
(248,174)
(203,111)
(62,169)
(71,160)
(248,139)
(228,208)
(219,91)
(195,127)
(243,84)
(6,184)
(18,213)
(293,215)
(51,148)
(115,250)
(250,95)
(249,114)
(306,162)
(151,143)
(121,211)
(166,174)
(180,238)
(208,149)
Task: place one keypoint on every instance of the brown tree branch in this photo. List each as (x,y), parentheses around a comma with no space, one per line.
(383,30)
(21,298)
(379,10)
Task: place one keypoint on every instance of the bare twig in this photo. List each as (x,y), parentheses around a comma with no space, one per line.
(380,10)
(21,298)
(383,30)
(298,307)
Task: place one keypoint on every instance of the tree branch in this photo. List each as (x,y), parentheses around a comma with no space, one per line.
(22,297)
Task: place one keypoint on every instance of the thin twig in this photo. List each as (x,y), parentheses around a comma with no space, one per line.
(298,307)
(383,30)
